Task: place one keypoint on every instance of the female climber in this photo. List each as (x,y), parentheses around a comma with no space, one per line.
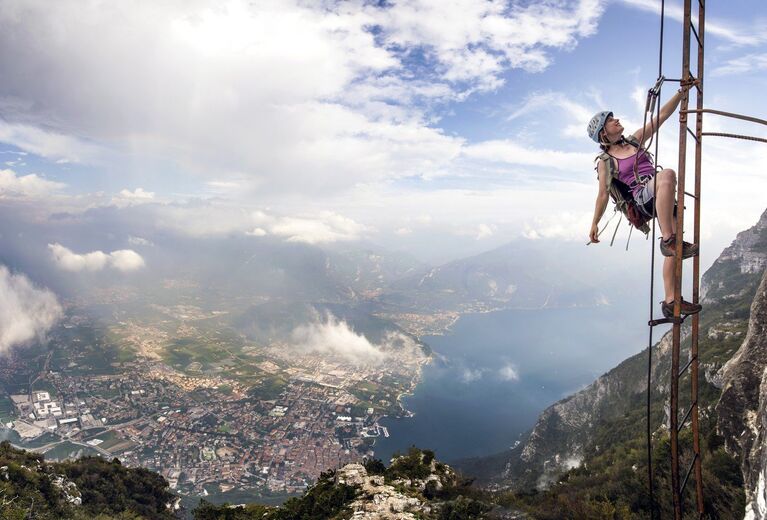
(624,160)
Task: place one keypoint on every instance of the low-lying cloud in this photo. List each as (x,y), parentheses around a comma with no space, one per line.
(469,375)
(27,312)
(509,372)
(124,260)
(335,337)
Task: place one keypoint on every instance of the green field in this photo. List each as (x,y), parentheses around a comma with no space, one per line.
(181,352)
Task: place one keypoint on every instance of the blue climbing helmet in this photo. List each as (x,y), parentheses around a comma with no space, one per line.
(596,124)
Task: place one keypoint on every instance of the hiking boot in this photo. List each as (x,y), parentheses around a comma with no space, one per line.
(668,247)
(687,308)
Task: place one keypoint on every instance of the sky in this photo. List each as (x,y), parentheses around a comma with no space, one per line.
(441,128)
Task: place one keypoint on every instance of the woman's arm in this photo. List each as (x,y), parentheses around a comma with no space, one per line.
(643,134)
(601,204)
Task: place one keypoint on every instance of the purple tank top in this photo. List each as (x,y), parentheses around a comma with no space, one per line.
(645,168)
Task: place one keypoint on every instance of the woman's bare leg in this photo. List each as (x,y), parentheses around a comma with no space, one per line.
(664,208)
(668,278)
(665,186)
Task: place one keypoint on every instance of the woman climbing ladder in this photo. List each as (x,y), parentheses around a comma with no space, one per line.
(625,161)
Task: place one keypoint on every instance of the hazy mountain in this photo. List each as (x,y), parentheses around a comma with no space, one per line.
(521,274)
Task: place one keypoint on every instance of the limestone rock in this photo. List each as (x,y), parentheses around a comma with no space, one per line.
(380,501)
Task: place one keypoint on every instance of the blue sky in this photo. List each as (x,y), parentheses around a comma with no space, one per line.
(441,128)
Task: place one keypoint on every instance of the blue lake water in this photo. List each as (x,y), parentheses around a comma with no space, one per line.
(495,372)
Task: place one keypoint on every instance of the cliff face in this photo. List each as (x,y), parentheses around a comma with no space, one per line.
(742,408)
(730,274)
(612,409)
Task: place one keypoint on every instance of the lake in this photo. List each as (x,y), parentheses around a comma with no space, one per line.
(495,372)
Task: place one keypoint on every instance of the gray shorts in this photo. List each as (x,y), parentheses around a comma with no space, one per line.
(644,199)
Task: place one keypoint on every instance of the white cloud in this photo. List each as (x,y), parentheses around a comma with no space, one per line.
(123,260)
(126,260)
(509,152)
(737,35)
(273,95)
(326,226)
(568,225)
(469,375)
(132,198)
(57,146)
(742,64)
(484,231)
(475,41)
(26,186)
(138,241)
(257,232)
(509,372)
(27,312)
(335,337)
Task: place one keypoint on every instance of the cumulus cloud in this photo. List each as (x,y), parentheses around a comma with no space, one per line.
(326,226)
(484,231)
(131,198)
(124,260)
(272,95)
(27,312)
(26,186)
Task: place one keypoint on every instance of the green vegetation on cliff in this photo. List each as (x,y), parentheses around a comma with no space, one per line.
(89,488)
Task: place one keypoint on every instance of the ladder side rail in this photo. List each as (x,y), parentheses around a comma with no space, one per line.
(676,333)
(694,374)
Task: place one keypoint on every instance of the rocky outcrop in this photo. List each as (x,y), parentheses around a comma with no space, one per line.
(742,407)
(377,500)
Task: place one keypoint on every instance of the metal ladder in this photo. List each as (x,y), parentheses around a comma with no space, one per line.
(676,425)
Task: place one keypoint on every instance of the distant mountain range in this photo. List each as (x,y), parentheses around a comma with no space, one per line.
(521,274)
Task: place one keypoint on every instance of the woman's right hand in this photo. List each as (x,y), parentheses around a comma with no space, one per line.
(594,233)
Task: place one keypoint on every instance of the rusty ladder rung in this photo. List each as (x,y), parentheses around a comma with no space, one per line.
(689,472)
(692,195)
(684,368)
(686,416)
(663,321)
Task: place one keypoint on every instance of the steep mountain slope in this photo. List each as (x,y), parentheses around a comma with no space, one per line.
(742,408)
(610,413)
